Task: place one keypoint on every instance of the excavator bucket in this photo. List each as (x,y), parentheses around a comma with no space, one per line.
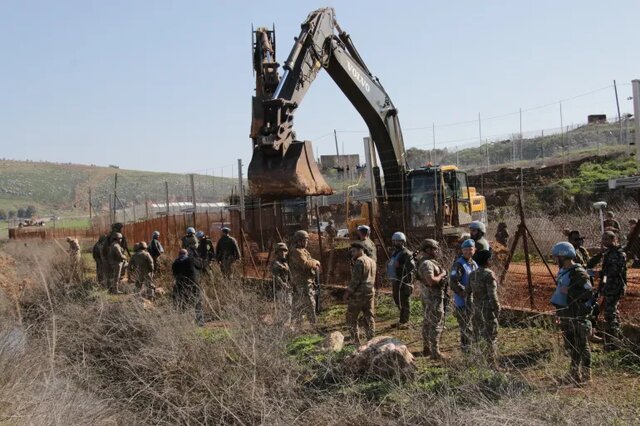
(295,174)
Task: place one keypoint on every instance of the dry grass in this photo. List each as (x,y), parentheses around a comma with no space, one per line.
(81,356)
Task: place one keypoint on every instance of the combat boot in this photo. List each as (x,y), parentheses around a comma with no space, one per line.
(426,351)
(585,378)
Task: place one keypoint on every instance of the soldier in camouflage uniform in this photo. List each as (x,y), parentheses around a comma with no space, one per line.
(117,262)
(227,252)
(433,283)
(582,255)
(478,230)
(484,308)
(303,275)
(141,271)
(190,241)
(360,293)
(370,249)
(400,271)
(281,276)
(573,309)
(331,232)
(100,260)
(613,283)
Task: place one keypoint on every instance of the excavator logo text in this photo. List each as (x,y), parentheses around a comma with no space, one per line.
(359,78)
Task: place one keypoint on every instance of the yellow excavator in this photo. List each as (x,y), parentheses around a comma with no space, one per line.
(433,201)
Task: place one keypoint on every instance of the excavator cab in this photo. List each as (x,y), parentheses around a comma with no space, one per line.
(440,199)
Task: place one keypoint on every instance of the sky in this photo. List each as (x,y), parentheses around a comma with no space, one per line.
(167,85)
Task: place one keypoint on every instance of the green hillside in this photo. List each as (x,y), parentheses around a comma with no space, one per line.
(63,189)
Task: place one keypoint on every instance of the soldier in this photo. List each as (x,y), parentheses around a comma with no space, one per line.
(370,249)
(227,252)
(116,229)
(205,248)
(484,308)
(433,280)
(502,234)
(459,279)
(571,299)
(613,283)
(187,291)
(400,271)
(611,223)
(303,273)
(360,293)
(141,271)
(156,250)
(117,262)
(190,241)
(331,232)
(576,240)
(98,257)
(478,230)
(281,277)
(75,258)
(633,244)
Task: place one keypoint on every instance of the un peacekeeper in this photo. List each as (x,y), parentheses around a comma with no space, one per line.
(400,271)
(98,257)
(613,283)
(360,293)
(156,250)
(582,255)
(433,282)
(370,249)
(458,280)
(478,230)
(303,274)
(190,241)
(281,276)
(227,252)
(117,261)
(141,271)
(573,308)
(484,308)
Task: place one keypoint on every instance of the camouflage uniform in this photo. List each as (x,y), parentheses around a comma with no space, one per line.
(402,283)
(117,261)
(98,257)
(574,322)
(482,302)
(613,284)
(361,297)
(141,272)
(156,250)
(432,304)
(281,276)
(227,252)
(370,249)
(582,256)
(190,242)
(303,274)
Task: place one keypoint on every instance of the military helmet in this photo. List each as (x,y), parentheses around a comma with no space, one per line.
(69,239)
(429,243)
(281,247)
(155,234)
(142,245)
(482,256)
(199,234)
(364,228)
(117,236)
(609,234)
(476,224)
(117,226)
(225,229)
(563,249)
(468,243)
(191,230)
(398,236)
(300,235)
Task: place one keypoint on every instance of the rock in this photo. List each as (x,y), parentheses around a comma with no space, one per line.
(384,357)
(334,342)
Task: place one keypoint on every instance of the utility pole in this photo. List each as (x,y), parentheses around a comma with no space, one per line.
(166,195)
(615,89)
(433,132)
(635,84)
(146,206)
(562,138)
(335,138)
(457,157)
(241,190)
(521,154)
(90,209)
(193,198)
(115,195)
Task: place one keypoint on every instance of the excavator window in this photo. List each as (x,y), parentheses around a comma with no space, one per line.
(423,196)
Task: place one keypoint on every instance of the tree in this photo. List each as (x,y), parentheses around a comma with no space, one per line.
(31,211)
(3,214)
(12,214)
(22,213)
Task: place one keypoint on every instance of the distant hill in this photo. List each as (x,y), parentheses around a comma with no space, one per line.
(55,188)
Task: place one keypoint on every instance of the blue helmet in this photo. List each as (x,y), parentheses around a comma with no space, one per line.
(191,230)
(468,243)
(563,249)
(398,236)
(199,234)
